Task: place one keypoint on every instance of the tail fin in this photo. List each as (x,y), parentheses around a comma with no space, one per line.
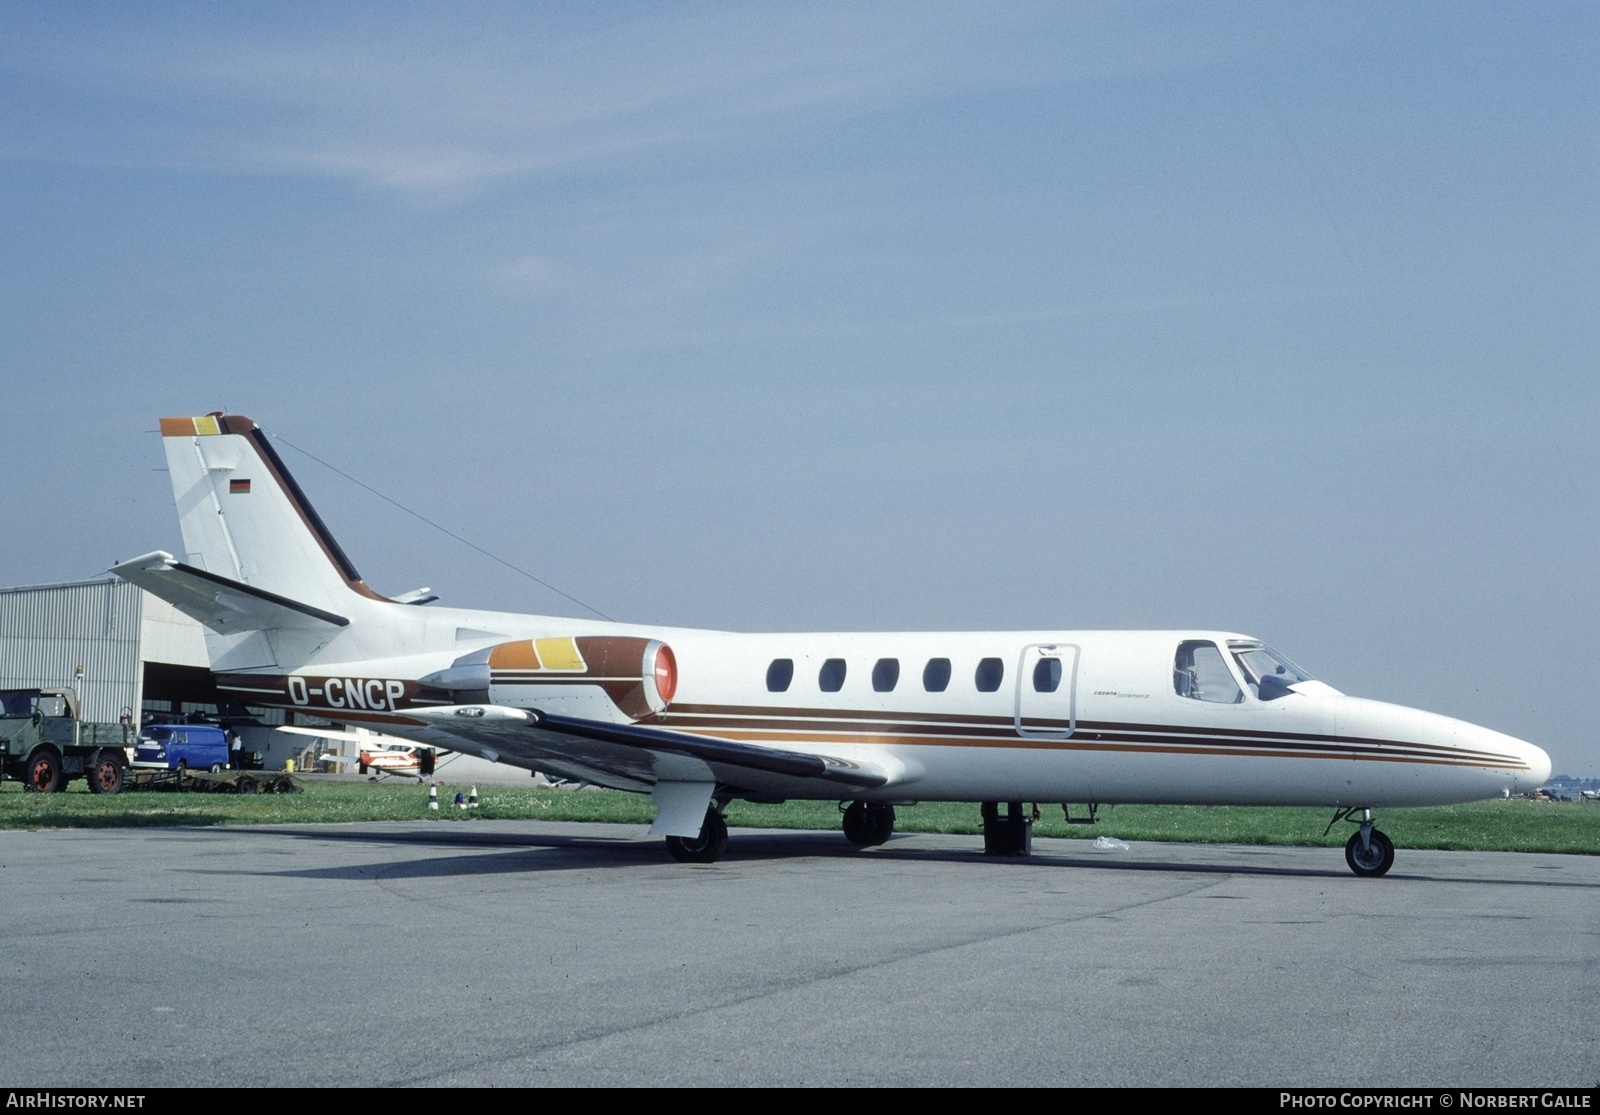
(245,519)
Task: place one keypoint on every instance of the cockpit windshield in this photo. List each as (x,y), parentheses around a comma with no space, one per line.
(1269,674)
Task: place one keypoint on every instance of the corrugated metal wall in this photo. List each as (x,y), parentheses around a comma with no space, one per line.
(47,631)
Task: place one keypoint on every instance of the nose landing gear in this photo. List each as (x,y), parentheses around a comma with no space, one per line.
(1369,852)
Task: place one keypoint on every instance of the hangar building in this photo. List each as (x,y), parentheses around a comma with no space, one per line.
(141,656)
(138,655)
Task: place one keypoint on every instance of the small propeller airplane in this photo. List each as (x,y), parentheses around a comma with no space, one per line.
(874,720)
(373,751)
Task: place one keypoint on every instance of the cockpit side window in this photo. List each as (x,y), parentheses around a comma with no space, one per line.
(1268,673)
(1201,673)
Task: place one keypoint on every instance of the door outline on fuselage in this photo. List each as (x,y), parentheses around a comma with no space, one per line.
(1033,704)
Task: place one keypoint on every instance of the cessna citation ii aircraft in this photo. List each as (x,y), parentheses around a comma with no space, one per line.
(698,719)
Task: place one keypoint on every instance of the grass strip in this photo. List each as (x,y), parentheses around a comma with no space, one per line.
(1506,826)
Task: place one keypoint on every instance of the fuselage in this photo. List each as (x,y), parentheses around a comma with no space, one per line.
(1092,716)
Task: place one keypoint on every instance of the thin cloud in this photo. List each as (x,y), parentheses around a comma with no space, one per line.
(534,274)
(422,106)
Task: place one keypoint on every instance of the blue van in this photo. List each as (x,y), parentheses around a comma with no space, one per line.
(181,747)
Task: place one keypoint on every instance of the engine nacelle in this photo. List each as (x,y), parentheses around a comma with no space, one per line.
(568,673)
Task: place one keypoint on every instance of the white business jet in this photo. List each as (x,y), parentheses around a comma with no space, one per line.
(698,719)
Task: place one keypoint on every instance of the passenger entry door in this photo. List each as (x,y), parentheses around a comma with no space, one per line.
(1047,690)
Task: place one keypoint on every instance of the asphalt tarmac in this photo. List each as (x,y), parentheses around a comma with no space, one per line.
(529,954)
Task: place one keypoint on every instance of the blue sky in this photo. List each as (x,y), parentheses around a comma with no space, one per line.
(1272,318)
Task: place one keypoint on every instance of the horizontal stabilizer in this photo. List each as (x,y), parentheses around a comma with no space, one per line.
(224,605)
(643,753)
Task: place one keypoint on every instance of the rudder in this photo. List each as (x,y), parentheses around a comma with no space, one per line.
(243,516)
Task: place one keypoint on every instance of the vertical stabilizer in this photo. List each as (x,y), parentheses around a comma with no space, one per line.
(244,518)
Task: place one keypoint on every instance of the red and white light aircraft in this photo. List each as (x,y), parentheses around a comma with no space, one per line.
(699,718)
(373,751)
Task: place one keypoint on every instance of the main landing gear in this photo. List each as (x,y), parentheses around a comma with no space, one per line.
(1369,852)
(1009,833)
(866,823)
(706,847)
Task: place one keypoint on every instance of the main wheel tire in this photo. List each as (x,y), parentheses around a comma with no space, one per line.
(868,824)
(44,772)
(104,773)
(1372,861)
(247,785)
(215,768)
(705,848)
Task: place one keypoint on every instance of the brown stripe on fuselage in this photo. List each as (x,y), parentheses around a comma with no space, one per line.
(869,721)
(372,717)
(824,727)
(1072,743)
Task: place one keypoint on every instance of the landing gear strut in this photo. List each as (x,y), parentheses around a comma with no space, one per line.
(868,824)
(1008,834)
(1369,852)
(705,848)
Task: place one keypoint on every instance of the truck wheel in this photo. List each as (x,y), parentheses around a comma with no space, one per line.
(104,774)
(44,772)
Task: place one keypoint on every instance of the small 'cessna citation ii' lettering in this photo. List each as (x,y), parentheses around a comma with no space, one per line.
(698,718)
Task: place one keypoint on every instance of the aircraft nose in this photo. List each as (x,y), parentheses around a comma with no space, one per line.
(1538,766)
(1535,757)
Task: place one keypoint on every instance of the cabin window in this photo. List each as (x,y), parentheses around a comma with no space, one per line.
(886,675)
(1200,673)
(936,675)
(1047,675)
(831,677)
(990,673)
(779,675)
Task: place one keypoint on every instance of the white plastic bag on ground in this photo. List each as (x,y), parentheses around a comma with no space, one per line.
(1110,844)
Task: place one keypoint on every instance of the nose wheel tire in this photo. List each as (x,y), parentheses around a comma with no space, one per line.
(705,848)
(1371,859)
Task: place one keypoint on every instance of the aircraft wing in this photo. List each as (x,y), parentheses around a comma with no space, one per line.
(634,756)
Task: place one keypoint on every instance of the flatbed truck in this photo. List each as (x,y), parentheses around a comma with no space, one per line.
(45,745)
